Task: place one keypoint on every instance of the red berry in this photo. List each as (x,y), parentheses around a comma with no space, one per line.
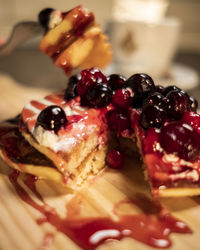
(193,119)
(115,159)
(122,99)
(89,77)
(117,121)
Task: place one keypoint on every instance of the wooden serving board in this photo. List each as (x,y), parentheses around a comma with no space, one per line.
(19,229)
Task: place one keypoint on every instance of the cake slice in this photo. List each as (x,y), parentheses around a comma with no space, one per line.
(167,129)
(74,138)
(73,39)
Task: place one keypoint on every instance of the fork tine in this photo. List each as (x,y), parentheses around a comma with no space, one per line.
(21,32)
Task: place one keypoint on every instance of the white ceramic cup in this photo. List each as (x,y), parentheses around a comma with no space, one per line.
(141,46)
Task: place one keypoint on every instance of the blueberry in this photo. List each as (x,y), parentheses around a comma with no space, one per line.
(99,95)
(44,17)
(52,118)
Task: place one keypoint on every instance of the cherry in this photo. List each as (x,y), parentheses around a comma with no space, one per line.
(155,99)
(122,99)
(180,139)
(52,118)
(116,81)
(44,17)
(142,85)
(89,77)
(193,104)
(178,103)
(170,88)
(70,91)
(151,139)
(115,159)
(99,95)
(117,121)
(152,116)
(193,119)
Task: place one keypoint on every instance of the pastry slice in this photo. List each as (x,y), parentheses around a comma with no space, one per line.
(74,138)
(167,130)
(73,39)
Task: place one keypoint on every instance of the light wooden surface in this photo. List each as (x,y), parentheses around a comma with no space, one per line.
(18,227)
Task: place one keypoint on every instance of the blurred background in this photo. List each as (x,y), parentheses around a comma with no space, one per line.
(159,37)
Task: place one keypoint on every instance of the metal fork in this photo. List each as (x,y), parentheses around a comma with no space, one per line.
(21,32)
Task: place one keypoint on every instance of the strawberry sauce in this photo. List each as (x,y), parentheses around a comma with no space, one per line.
(152,226)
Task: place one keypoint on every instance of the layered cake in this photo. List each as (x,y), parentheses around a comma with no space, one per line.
(77,132)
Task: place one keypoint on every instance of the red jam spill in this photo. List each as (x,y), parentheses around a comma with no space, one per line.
(152,227)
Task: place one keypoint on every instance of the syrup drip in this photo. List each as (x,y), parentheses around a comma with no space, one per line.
(38,105)
(47,241)
(152,227)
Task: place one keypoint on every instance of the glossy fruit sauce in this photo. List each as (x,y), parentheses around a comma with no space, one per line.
(152,226)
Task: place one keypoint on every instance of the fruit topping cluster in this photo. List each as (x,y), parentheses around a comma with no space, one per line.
(170,110)
(157,104)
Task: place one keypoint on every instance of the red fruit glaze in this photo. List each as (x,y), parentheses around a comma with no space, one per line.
(115,159)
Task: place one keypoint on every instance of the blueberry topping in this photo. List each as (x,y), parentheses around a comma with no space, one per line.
(44,17)
(155,99)
(170,88)
(178,103)
(152,116)
(70,91)
(142,85)
(159,88)
(116,81)
(193,104)
(99,95)
(52,118)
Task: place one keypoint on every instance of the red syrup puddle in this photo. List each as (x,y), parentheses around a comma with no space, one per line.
(152,227)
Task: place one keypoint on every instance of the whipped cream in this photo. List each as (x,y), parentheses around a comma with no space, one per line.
(64,143)
(55,19)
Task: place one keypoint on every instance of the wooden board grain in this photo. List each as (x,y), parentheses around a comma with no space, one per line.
(20,231)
